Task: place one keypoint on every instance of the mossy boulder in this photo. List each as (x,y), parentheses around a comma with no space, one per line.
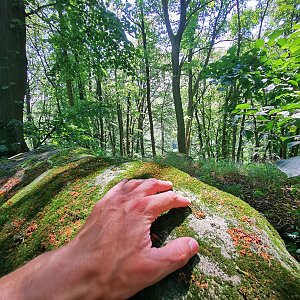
(241,256)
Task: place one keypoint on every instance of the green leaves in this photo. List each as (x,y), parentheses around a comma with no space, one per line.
(243,106)
(259,44)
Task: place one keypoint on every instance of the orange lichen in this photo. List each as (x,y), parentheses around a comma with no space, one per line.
(246,219)
(200,214)
(248,242)
(30,229)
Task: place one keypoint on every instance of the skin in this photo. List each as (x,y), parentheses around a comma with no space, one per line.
(112,256)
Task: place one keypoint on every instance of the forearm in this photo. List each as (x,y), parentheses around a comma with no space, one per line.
(53,275)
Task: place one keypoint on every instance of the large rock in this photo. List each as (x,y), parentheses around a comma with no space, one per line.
(46,196)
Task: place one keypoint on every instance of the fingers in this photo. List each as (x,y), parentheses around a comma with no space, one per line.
(116,189)
(174,255)
(152,186)
(131,185)
(160,203)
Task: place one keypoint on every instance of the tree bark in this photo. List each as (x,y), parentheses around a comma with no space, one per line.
(239,151)
(199,133)
(13,76)
(128,121)
(190,107)
(175,40)
(101,118)
(238,51)
(140,128)
(148,88)
(121,128)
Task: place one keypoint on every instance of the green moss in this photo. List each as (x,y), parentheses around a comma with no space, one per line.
(267,279)
(69,154)
(38,199)
(48,212)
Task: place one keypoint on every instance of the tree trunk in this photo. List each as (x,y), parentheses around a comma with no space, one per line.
(176,68)
(238,155)
(140,133)
(28,106)
(147,69)
(128,113)
(101,121)
(63,29)
(234,133)
(121,129)
(177,98)
(190,107)
(34,140)
(162,126)
(13,76)
(112,138)
(238,51)
(70,91)
(199,133)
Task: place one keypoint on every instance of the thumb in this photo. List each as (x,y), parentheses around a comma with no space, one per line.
(174,255)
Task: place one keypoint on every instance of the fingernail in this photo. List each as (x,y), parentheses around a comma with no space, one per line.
(194,246)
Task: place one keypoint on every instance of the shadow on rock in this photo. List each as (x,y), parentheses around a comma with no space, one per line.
(175,285)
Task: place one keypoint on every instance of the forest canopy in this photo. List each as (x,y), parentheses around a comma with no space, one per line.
(210,79)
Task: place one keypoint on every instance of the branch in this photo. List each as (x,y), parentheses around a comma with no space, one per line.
(196,10)
(165,4)
(47,136)
(262,18)
(39,8)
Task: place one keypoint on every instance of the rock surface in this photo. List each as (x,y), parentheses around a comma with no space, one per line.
(46,195)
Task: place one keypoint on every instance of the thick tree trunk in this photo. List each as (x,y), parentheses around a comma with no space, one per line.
(13,76)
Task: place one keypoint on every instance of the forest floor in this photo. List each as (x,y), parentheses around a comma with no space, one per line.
(261,185)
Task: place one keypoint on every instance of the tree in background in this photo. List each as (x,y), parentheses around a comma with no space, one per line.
(13,68)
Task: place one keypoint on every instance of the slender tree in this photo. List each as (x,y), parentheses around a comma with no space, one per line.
(175,39)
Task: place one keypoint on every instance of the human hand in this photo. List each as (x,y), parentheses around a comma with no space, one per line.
(116,244)
(112,256)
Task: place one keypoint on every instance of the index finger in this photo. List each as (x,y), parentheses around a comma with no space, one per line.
(152,186)
(160,203)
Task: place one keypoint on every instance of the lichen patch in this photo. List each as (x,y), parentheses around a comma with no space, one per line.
(108,175)
(280,254)
(214,228)
(211,268)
